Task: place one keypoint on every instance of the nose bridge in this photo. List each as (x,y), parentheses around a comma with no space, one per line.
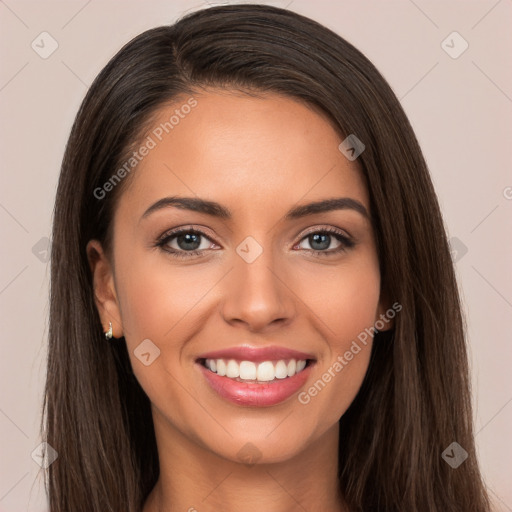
(256,293)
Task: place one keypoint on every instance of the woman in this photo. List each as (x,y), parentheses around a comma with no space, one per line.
(307,350)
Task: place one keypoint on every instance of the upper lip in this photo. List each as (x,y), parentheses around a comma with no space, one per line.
(257,354)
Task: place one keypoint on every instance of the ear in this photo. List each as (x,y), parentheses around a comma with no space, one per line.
(384,319)
(104,288)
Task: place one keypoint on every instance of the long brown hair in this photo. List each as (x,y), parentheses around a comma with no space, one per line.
(415,399)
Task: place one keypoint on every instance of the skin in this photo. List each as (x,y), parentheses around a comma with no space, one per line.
(258,157)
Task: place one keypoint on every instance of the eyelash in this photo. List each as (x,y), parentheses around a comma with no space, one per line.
(345,241)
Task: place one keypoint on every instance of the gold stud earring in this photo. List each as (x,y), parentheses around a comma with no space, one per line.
(108,334)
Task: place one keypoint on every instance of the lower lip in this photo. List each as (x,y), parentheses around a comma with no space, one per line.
(256,395)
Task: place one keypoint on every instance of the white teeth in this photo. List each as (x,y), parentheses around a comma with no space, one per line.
(265,371)
(282,370)
(233,369)
(247,370)
(221,367)
(292,367)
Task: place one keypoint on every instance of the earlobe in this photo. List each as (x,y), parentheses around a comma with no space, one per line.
(105,296)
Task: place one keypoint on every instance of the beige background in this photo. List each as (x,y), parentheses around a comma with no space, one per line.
(459,107)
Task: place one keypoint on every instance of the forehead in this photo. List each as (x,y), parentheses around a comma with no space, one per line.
(242,150)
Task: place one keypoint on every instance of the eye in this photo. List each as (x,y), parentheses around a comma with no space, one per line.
(187,242)
(320,240)
(184,242)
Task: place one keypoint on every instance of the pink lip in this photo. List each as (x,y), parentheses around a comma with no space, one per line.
(256,354)
(255,394)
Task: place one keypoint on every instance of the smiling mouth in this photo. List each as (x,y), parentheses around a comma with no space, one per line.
(260,372)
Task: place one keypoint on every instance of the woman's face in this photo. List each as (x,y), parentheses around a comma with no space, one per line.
(247,279)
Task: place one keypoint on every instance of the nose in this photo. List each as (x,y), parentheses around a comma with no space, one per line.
(257,295)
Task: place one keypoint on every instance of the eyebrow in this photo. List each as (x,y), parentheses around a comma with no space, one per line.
(217,210)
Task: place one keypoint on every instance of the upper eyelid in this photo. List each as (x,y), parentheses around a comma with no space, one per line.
(316,229)
(171,233)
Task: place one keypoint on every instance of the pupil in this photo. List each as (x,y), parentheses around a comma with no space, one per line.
(189,239)
(315,239)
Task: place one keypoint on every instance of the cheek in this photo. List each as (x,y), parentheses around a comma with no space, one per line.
(161,302)
(165,303)
(345,321)
(344,299)
(155,295)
